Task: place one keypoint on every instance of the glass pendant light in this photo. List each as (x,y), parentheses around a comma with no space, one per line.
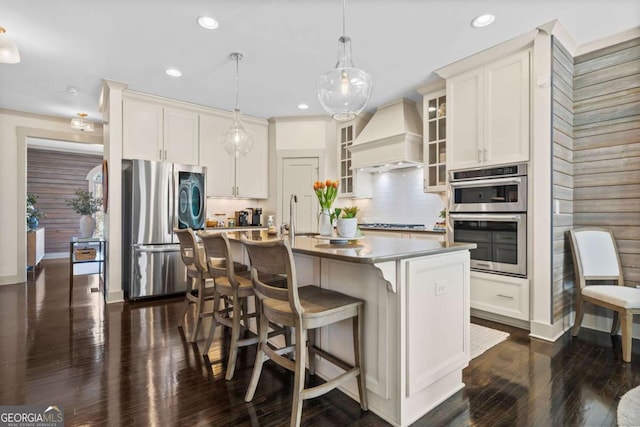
(345,90)
(8,50)
(236,141)
(79,123)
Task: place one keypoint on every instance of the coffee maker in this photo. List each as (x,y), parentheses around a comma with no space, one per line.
(255,217)
(242,218)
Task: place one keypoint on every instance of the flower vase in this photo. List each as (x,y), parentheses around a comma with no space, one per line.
(87,225)
(325,228)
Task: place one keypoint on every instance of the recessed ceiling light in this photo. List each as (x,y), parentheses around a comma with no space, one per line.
(483,20)
(173,72)
(303,107)
(207,22)
(73,90)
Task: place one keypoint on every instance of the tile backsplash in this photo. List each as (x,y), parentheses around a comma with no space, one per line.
(399,198)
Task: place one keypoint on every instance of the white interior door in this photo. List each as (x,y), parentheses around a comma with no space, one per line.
(298,176)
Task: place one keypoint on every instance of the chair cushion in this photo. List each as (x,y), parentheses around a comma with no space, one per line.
(622,296)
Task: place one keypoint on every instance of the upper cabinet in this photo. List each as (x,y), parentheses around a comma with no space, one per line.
(435,141)
(488,114)
(153,131)
(244,177)
(353,183)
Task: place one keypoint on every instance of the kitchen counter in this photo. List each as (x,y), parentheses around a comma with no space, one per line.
(416,316)
(238,228)
(405,229)
(364,250)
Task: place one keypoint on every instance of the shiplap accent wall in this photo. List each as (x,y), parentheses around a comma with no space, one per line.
(54,177)
(562,134)
(607,147)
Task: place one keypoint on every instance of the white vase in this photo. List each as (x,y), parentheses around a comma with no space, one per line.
(325,227)
(87,225)
(347,227)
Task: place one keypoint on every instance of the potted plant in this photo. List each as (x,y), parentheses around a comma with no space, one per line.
(86,205)
(348,223)
(33,213)
(441,225)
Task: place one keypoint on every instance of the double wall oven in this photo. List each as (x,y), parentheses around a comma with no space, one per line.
(488,207)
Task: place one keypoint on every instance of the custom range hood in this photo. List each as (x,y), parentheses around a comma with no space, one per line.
(391,140)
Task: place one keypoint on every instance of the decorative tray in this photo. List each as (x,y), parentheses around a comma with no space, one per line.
(338,239)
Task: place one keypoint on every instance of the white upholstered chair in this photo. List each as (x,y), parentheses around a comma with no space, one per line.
(595,258)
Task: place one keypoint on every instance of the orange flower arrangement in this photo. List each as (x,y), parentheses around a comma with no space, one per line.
(326,192)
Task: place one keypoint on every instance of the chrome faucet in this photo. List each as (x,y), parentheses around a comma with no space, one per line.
(292,217)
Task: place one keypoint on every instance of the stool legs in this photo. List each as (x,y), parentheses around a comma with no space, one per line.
(235,335)
(358,350)
(263,331)
(298,381)
(214,323)
(199,310)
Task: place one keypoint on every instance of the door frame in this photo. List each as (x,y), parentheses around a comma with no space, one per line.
(294,154)
(22,133)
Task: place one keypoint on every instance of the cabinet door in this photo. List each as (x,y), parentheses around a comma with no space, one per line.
(180,136)
(464,123)
(142,126)
(506,98)
(435,142)
(252,174)
(220,166)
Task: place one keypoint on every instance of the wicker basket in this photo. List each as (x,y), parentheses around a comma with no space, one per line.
(84,254)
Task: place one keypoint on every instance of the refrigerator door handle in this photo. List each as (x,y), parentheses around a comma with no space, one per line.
(155,249)
(170,205)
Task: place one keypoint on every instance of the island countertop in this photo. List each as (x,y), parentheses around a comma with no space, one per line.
(363,250)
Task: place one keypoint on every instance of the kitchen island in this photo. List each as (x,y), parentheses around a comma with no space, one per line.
(416,295)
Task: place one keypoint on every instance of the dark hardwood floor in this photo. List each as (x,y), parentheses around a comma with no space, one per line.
(126,363)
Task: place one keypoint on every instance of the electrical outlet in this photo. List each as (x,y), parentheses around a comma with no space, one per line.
(441,287)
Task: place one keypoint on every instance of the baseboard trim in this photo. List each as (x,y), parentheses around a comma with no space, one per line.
(115,296)
(522,324)
(551,332)
(603,324)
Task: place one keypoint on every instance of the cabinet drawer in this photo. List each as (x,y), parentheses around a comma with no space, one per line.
(503,295)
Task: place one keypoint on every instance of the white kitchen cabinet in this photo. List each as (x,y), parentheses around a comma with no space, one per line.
(181,136)
(502,295)
(353,183)
(488,114)
(435,142)
(244,177)
(154,131)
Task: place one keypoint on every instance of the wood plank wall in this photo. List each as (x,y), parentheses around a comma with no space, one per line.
(54,177)
(562,72)
(607,147)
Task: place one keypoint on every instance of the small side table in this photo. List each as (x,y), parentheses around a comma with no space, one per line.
(90,242)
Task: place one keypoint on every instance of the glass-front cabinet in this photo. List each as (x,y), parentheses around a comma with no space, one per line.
(435,142)
(353,183)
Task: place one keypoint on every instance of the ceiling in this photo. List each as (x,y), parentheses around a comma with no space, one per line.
(286,43)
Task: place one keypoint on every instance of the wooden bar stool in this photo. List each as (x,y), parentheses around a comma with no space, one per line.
(235,288)
(198,273)
(305,309)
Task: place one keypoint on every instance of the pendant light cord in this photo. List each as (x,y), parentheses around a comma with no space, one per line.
(344,8)
(237,81)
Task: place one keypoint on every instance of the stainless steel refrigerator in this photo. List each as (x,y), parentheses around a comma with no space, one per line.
(156,197)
